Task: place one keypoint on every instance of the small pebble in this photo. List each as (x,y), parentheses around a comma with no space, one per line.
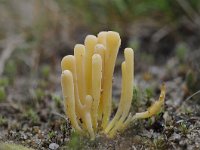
(176,137)
(53,146)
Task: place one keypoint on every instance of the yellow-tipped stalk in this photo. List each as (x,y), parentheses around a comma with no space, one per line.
(100,49)
(96,86)
(68,63)
(128,89)
(120,107)
(69,99)
(79,53)
(90,42)
(113,42)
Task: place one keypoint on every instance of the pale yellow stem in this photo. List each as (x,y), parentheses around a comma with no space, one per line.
(120,106)
(102,41)
(90,42)
(129,65)
(68,63)
(127,122)
(100,49)
(113,42)
(69,99)
(96,86)
(114,130)
(87,119)
(126,103)
(79,53)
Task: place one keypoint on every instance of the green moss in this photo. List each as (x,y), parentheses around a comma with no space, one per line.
(4,81)
(136,98)
(183,128)
(150,121)
(148,93)
(63,128)
(51,134)
(32,115)
(39,94)
(2,94)
(3,120)
(9,146)
(75,142)
(160,144)
(181,52)
(57,99)
(10,69)
(45,71)
(136,94)
(192,78)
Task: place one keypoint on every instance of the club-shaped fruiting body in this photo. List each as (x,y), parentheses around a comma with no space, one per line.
(87,86)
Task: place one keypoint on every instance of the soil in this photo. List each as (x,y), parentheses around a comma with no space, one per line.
(33,114)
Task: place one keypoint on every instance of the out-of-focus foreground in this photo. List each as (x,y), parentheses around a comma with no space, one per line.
(36,34)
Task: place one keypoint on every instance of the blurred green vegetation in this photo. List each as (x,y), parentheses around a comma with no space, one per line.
(55,24)
(75,142)
(3,120)
(11,146)
(31,115)
(100,15)
(120,14)
(2,94)
(181,52)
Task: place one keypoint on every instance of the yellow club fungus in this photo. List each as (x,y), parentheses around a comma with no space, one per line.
(87,86)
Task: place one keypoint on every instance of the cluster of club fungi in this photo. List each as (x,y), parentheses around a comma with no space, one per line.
(86,81)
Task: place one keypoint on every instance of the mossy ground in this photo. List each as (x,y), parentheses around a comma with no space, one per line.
(32,114)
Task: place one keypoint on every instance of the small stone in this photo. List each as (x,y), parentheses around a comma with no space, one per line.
(23,136)
(53,146)
(176,137)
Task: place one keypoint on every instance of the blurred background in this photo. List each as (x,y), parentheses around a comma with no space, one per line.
(36,34)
